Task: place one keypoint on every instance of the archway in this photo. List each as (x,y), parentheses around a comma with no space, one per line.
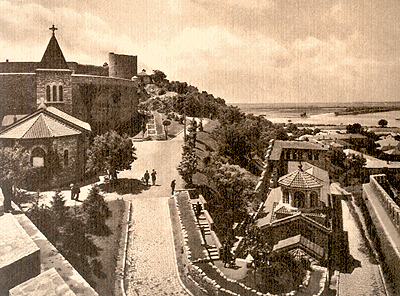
(313,199)
(299,199)
(37,157)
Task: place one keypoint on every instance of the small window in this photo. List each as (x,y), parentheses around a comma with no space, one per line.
(66,157)
(316,156)
(37,157)
(60,93)
(54,93)
(48,93)
(285,196)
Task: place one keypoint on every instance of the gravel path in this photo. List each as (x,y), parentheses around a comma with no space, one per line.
(151,267)
(365,280)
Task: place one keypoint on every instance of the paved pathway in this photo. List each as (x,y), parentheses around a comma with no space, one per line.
(365,279)
(151,267)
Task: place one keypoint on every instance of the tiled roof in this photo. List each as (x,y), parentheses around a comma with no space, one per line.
(39,126)
(53,57)
(300,179)
(300,241)
(69,118)
(9,119)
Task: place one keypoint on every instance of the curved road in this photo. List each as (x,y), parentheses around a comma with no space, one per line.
(151,264)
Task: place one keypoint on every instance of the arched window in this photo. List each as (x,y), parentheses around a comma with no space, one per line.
(48,93)
(37,157)
(66,157)
(54,93)
(313,199)
(60,93)
(299,199)
(285,196)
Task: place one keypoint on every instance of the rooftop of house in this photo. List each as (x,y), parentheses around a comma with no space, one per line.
(374,163)
(279,145)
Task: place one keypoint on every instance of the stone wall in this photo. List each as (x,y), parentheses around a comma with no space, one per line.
(390,205)
(70,171)
(104,102)
(17,91)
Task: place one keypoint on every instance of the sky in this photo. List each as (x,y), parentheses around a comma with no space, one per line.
(244,51)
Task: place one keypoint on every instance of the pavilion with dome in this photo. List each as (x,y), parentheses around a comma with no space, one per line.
(296,214)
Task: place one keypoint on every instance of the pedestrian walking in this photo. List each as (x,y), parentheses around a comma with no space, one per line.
(75,190)
(146,177)
(153,177)
(173,184)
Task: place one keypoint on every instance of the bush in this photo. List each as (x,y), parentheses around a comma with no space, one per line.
(97,212)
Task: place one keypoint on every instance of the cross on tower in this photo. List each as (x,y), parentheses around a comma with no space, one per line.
(53,28)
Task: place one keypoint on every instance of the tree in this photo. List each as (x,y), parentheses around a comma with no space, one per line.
(97,211)
(58,208)
(14,163)
(235,187)
(166,123)
(111,153)
(355,128)
(158,76)
(188,166)
(383,123)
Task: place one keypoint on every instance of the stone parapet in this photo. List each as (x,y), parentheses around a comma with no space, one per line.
(47,283)
(389,204)
(19,255)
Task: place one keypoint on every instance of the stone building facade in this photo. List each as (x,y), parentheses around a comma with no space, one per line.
(57,143)
(104,96)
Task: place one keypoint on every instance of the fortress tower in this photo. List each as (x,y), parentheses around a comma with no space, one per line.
(122,66)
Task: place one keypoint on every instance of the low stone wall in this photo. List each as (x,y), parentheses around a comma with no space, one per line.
(390,205)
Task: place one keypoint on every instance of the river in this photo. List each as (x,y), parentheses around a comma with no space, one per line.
(369,119)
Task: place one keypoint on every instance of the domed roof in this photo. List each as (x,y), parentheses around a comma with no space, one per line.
(300,179)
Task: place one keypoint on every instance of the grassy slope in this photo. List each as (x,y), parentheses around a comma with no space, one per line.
(109,249)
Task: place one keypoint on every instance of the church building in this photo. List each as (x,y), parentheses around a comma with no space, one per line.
(104,96)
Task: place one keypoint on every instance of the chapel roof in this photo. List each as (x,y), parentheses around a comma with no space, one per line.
(45,123)
(53,57)
(300,179)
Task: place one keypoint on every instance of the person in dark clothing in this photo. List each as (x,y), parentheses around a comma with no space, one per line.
(153,177)
(146,177)
(75,190)
(173,184)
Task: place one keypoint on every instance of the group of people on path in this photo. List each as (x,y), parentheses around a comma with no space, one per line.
(153,175)
(146,177)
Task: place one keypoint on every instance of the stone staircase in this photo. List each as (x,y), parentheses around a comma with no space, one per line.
(203,225)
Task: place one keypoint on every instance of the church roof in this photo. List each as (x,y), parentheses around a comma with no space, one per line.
(300,179)
(45,123)
(53,57)
(299,241)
